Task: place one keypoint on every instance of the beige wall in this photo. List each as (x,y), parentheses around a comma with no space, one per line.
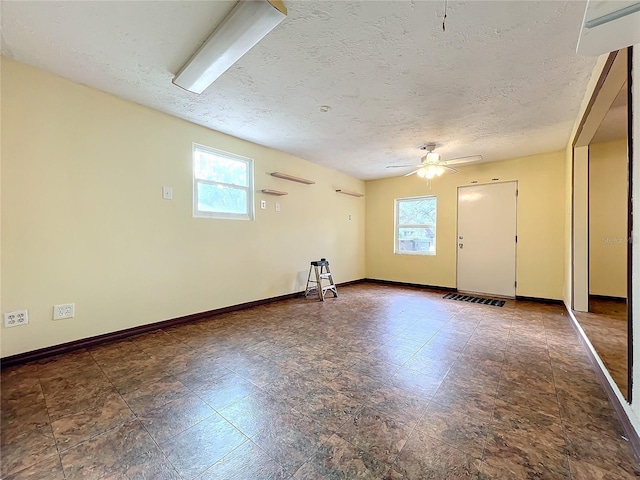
(608,218)
(541,216)
(84,222)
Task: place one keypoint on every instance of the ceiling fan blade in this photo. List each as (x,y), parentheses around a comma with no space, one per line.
(410,173)
(400,166)
(451,169)
(463,160)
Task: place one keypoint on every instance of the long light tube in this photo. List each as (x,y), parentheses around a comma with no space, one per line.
(248,23)
(610,17)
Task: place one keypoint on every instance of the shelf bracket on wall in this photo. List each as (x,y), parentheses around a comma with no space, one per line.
(286,176)
(347,192)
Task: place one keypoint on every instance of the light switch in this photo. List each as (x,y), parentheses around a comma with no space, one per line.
(167,193)
(277,207)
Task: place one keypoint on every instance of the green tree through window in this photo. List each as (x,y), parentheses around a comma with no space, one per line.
(416,225)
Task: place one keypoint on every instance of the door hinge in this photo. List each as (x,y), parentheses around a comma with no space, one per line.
(515,284)
(516,238)
(517,191)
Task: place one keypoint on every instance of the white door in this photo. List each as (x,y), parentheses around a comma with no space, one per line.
(487,238)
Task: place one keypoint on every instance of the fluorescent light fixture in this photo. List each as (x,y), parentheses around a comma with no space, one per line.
(611,16)
(248,23)
(608,26)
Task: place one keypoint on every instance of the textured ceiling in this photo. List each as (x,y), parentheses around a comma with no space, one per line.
(503,80)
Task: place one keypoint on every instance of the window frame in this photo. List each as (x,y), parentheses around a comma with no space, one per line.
(250,209)
(398,226)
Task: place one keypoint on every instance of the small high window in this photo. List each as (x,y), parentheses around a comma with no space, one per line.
(222,184)
(415,226)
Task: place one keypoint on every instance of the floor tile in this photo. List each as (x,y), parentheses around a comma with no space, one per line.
(515,458)
(424,457)
(292,439)
(133,374)
(23,413)
(25,449)
(105,413)
(174,417)
(244,463)
(416,382)
(376,433)
(76,398)
(604,451)
(223,391)
(254,412)
(536,428)
(465,399)
(464,432)
(48,469)
(338,459)
(398,404)
(581,470)
(121,451)
(155,394)
(195,450)
(328,407)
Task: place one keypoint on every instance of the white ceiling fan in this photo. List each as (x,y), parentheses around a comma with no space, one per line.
(432,165)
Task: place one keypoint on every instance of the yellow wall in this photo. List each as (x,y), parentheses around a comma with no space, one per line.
(540,251)
(608,218)
(84,222)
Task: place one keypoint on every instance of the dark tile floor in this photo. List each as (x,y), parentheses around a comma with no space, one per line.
(607,329)
(380,383)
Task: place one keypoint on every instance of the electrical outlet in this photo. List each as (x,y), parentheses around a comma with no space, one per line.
(65,310)
(263,204)
(16,319)
(277,207)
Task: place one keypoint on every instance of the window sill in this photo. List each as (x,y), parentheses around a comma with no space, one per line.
(423,254)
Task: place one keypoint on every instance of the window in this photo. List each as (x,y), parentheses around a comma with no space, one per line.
(222,184)
(416,226)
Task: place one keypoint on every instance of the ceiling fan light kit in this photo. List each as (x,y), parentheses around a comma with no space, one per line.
(432,157)
(430,171)
(431,165)
(248,23)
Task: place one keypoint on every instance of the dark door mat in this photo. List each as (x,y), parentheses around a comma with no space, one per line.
(472,299)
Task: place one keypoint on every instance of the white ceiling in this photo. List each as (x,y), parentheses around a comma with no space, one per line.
(503,80)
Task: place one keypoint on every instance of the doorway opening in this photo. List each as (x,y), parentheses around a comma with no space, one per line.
(601,229)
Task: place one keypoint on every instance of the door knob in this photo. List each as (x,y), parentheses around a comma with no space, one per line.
(460,245)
